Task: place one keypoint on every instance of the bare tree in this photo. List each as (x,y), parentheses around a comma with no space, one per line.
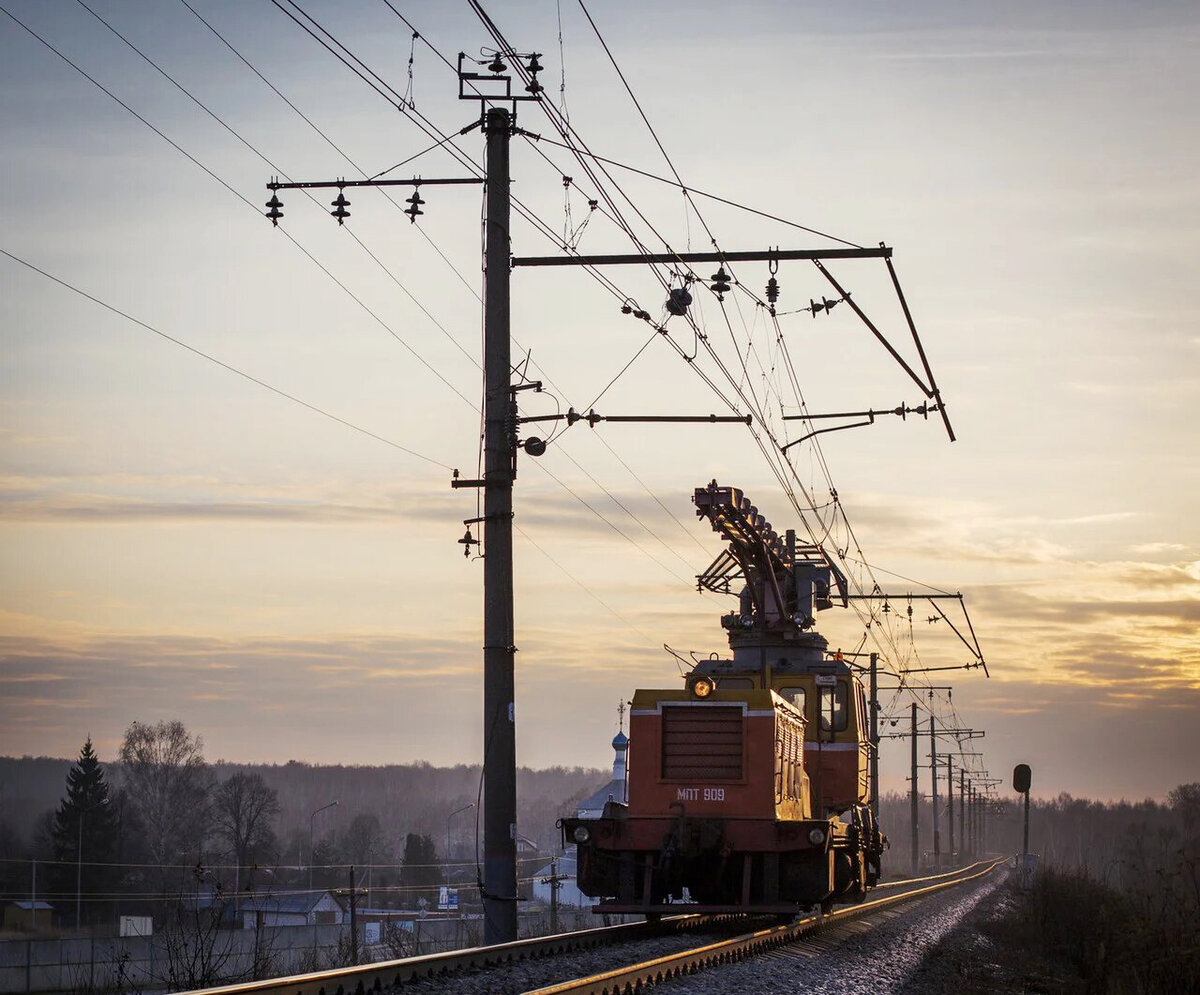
(243,811)
(164,771)
(199,953)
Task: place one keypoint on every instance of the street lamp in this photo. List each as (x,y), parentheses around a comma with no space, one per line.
(310,840)
(448,818)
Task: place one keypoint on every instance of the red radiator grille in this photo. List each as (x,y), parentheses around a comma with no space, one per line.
(701,743)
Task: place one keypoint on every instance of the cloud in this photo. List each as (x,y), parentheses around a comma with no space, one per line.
(1149,548)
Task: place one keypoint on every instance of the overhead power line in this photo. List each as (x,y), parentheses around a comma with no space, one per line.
(225,366)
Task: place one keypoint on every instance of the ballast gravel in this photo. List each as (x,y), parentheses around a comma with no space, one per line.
(526,975)
(877,954)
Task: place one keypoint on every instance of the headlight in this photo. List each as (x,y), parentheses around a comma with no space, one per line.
(815,836)
(703,687)
(581,834)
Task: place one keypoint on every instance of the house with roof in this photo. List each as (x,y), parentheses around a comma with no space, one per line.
(28,915)
(302,909)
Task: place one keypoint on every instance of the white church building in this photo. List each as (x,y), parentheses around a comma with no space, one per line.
(591,807)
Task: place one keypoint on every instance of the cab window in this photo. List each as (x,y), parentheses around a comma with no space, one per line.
(796,695)
(833,715)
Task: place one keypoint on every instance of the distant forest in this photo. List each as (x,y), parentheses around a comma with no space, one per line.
(407,798)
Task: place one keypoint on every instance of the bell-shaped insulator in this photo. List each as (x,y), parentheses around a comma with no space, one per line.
(467,541)
(414,206)
(534,87)
(814,307)
(678,301)
(339,208)
(772,290)
(497,65)
(720,283)
(275,212)
(534,66)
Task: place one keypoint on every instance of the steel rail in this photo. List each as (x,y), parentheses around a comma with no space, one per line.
(901,882)
(383,974)
(636,977)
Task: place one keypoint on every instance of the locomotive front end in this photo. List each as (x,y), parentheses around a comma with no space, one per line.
(718,810)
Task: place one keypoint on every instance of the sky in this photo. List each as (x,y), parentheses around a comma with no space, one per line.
(225,490)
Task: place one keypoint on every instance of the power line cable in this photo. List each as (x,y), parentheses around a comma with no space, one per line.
(275,168)
(191,158)
(701,193)
(221,363)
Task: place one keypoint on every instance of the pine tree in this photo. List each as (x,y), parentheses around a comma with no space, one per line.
(85,836)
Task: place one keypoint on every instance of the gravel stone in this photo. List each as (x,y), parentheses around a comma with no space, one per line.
(876,955)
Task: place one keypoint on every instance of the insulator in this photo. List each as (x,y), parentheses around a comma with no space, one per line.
(534,66)
(534,87)
(467,542)
(496,65)
(678,301)
(720,283)
(772,290)
(274,213)
(414,208)
(340,206)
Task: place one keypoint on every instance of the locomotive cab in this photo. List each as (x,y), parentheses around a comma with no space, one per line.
(834,705)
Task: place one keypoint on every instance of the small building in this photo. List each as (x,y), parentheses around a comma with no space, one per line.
(307,909)
(28,916)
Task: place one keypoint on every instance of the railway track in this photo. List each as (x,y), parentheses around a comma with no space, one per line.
(636,977)
(385,974)
(527,959)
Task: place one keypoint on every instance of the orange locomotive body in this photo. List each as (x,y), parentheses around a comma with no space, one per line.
(748,789)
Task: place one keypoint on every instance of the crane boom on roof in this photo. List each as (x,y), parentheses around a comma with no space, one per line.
(784,581)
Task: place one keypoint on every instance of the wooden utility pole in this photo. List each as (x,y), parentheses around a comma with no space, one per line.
(555,882)
(353,894)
